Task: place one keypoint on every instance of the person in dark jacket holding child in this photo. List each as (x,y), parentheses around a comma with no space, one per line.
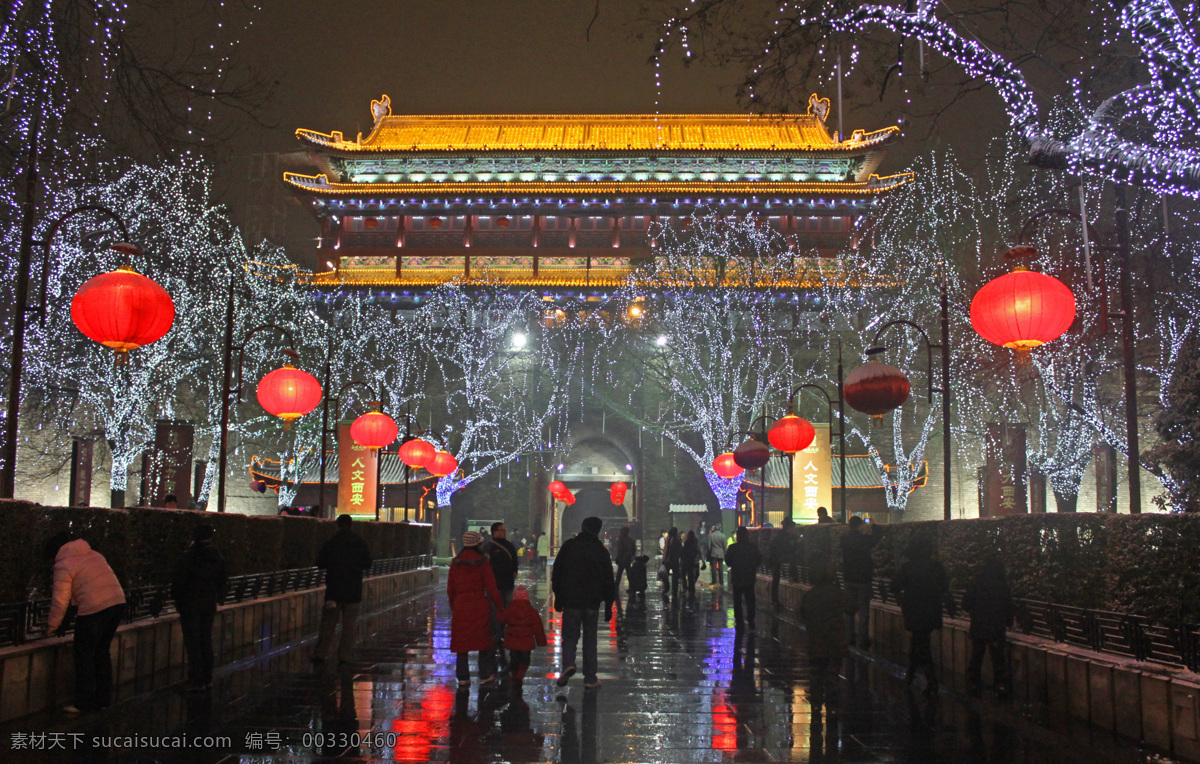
(345,558)
(582,578)
(198,586)
(989,601)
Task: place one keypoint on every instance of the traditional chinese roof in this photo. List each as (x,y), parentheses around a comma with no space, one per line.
(860,473)
(803,133)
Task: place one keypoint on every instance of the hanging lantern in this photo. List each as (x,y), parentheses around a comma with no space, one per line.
(374,430)
(122,310)
(568,498)
(876,388)
(725,466)
(289,394)
(557,488)
(751,455)
(617,493)
(442,464)
(1023,309)
(503,222)
(791,434)
(416,453)
(435,223)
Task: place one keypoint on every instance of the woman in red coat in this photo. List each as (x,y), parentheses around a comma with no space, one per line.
(469,586)
(523,631)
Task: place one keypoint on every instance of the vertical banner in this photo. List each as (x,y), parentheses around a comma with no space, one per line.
(1037,492)
(358,474)
(171,467)
(1006,492)
(1106,478)
(812,477)
(81,473)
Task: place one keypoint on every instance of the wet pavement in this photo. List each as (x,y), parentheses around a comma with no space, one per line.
(679,685)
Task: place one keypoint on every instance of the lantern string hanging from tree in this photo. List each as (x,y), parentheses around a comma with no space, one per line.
(1022,309)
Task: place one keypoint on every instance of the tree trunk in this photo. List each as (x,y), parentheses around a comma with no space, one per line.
(1066,502)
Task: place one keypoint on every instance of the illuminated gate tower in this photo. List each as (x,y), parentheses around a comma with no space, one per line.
(567,201)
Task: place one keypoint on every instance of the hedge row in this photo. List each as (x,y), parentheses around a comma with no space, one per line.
(1143,564)
(142,545)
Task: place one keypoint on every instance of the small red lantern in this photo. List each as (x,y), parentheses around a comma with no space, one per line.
(503,222)
(1023,309)
(791,434)
(442,464)
(725,466)
(374,430)
(289,394)
(435,222)
(122,310)
(557,488)
(617,493)
(568,498)
(416,453)
(876,388)
(371,223)
(751,455)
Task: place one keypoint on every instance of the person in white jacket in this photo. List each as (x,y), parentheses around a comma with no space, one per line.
(83,578)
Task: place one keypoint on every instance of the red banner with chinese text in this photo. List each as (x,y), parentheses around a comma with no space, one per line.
(358,474)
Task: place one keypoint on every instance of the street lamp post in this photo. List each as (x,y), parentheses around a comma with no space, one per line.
(944,346)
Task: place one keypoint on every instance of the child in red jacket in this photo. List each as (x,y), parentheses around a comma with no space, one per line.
(522,633)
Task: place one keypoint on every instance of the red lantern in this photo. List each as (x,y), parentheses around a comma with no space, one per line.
(617,493)
(557,488)
(289,394)
(442,464)
(876,388)
(725,466)
(791,434)
(1023,309)
(374,430)
(371,223)
(751,455)
(416,453)
(122,310)
(568,498)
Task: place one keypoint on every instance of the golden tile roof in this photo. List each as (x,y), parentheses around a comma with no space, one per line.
(319,184)
(599,132)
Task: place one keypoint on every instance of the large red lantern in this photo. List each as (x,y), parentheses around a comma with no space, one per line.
(617,493)
(568,498)
(442,464)
(1023,309)
(416,453)
(751,455)
(374,430)
(876,388)
(122,310)
(289,394)
(725,466)
(791,434)
(557,488)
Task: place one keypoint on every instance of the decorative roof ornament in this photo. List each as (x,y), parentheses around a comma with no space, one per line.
(818,107)
(381,108)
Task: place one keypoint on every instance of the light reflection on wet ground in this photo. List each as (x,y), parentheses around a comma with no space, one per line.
(679,686)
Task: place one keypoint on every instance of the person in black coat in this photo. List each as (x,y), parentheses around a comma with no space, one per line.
(922,586)
(502,556)
(689,561)
(637,577)
(989,601)
(197,587)
(743,558)
(673,561)
(345,558)
(582,578)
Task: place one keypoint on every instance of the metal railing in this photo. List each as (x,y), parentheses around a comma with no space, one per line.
(18,619)
(1124,634)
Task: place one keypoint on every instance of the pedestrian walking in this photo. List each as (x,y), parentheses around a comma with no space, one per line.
(989,601)
(716,557)
(743,558)
(624,552)
(197,587)
(582,579)
(689,562)
(858,571)
(672,559)
(523,632)
(502,556)
(83,578)
(543,550)
(470,586)
(922,586)
(783,547)
(345,558)
(637,577)
(823,608)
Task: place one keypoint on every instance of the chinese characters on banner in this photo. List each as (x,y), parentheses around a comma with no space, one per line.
(1005,487)
(358,472)
(812,477)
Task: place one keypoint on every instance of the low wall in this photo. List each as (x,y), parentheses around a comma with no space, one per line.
(1154,704)
(148,654)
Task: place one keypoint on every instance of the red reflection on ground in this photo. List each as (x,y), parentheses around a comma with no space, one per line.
(420,727)
(724,724)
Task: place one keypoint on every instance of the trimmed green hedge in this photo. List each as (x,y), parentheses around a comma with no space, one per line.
(1143,564)
(142,545)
